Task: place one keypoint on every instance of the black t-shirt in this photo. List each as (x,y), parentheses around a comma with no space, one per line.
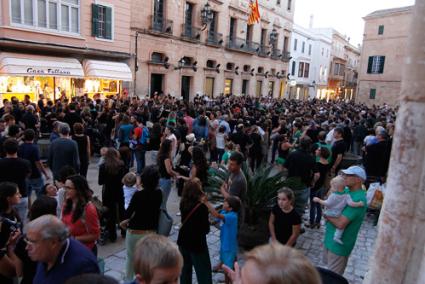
(283,223)
(337,148)
(15,170)
(323,170)
(29,267)
(300,164)
(192,235)
(30,152)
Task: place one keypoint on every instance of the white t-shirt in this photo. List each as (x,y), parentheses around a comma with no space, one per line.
(219,139)
(336,203)
(129,191)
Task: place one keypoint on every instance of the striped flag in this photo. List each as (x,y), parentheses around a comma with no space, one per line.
(254,16)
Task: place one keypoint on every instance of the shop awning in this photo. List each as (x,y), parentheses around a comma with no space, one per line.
(17,64)
(107,70)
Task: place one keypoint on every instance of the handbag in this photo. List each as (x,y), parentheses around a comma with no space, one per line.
(165,223)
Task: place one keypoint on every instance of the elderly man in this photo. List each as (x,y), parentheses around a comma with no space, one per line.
(63,152)
(336,255)
(59,257)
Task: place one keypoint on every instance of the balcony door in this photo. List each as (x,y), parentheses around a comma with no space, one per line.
(213,26)
(185,88)
(188,14)
(158,14)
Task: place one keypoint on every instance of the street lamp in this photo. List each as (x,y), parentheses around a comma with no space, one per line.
(207,15)
(273,37)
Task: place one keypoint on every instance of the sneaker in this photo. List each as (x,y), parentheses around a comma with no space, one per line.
(339,241)
(178,213)
(177,227)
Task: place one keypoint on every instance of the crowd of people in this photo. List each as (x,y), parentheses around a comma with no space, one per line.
(146,146)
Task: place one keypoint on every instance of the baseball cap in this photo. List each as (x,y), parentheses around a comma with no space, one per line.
(355,170)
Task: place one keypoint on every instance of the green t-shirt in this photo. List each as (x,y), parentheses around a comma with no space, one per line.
(327,146)
(356,216)
(226,156)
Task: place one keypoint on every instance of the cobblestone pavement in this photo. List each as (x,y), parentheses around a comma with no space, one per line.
(310,243)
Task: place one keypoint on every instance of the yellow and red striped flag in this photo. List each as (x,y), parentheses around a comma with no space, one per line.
(254,16)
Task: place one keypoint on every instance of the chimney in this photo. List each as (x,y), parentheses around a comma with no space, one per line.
(310,26)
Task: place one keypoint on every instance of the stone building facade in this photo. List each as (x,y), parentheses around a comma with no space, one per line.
(309,65)
(184,48)
(383,54)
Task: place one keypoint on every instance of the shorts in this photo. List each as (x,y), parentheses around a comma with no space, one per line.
(280,161)
(228,258)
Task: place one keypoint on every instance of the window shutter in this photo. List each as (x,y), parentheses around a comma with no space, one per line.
(108,23)
(95,20)
(369,64)
(372,94)
(381,67)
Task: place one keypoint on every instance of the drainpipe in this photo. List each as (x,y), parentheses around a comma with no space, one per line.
(136,66)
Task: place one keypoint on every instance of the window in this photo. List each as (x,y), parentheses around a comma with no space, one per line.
(376,65)
(293,68)
(59,15)
(209,87)
(228,86)
(263,36)
(245,85)
(271,89)
(372,94)
(101,21)
(278,2)
(157,57)
(295,44)
(211,63)
(230,66)
(188,18)
(303,47)
(301,69)
(258,88)
(249,32)
(232,29)
(260,70)
(285,43)
(381,30)
(289,5)
(309,49)
(306,69)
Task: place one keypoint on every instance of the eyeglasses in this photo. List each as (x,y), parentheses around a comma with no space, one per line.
(31,242)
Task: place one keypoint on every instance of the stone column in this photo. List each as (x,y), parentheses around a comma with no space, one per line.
(399,253)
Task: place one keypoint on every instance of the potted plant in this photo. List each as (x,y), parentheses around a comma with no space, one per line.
(262,186)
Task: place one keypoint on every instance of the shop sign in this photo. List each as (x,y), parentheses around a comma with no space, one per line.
(48,71)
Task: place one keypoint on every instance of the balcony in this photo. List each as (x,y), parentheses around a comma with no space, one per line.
(286,56)
(191,33)
(276,54)
(214,39)
(161,26)
(240,44)
(264,51)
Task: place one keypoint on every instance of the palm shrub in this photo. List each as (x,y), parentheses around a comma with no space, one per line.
(262,186)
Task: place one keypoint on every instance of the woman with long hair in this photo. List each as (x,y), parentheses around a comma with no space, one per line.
(192,239)
(142,214)
(199,167)
(111,173)
(155,135)
(83,142)
(9,196)
(166,171)
(79,213)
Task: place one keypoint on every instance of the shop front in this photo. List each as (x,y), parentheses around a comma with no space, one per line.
(59,77)
(105,78)
(35,75)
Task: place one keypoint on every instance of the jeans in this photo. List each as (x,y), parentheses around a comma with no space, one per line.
(301,198)
(220,153)
(35,184)
(140,160)
(357,147)
(165,185)
(22,209)
(151,157)
(315,208)
(130,245)
(202,263)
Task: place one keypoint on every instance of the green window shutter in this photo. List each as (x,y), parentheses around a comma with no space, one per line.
(372,94)
(108,23)
(381,30)
(369,64)
(95,20)
(381,67)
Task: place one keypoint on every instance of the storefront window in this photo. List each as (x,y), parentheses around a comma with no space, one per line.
(228,86)
(101,87)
